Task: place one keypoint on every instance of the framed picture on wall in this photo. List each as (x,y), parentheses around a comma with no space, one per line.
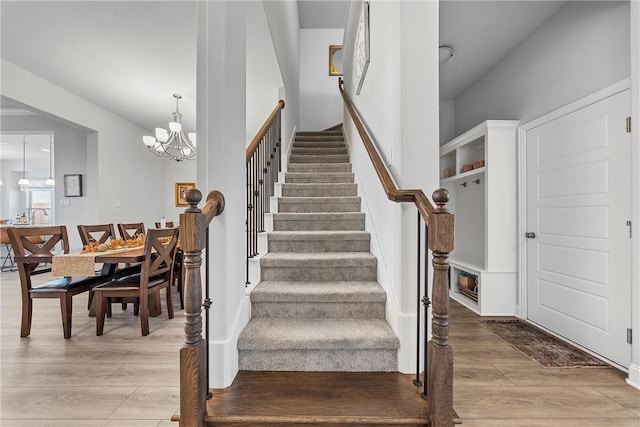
(181,189)
(73,185)
(361,47)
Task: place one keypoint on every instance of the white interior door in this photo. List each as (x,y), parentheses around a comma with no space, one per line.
(578,204)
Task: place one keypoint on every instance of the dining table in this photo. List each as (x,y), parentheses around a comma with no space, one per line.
(84,264)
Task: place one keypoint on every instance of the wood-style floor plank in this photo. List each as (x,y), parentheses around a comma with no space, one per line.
(317,397)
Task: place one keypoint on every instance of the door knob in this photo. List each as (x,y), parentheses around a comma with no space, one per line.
(530,235)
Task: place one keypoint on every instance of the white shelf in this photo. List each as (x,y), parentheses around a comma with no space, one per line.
(485,213)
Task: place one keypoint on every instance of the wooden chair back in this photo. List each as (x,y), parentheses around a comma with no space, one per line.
(169,224)
(98,233)
(131,231)
(163,243)
(35,245)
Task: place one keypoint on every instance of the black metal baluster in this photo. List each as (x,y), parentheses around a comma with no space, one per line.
(256,193)
(247,231)
(207,305)
(417,381)
(426,302)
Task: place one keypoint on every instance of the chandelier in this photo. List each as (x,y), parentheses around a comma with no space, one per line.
(172,144)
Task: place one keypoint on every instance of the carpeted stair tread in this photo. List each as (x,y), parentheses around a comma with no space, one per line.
(319,259)
(348,291)
(318,221)
(318,144)
(319,190)
(319,204)
(310,151)
(318,158)
(315,334)
(318,235)
(319,241)
(319,167)
(337,177)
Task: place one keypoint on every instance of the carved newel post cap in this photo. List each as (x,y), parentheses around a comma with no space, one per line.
(193,196)
(441,197)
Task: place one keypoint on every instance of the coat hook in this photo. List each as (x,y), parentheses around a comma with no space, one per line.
(477,181)
(464,184)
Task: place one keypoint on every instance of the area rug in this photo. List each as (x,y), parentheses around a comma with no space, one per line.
(545,349)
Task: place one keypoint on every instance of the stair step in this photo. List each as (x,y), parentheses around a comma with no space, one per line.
(319,190)
(319,167)
(318,204)
(316,267)
(319,144)
(319,158)
(319,134)
(311,178)
(356,300)
(300,344)
(306,151)
(319,241)
(318,221)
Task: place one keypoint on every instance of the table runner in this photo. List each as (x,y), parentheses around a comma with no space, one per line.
(80,264)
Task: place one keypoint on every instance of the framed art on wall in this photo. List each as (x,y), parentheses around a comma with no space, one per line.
(73,185)
(361,47)
(181,189)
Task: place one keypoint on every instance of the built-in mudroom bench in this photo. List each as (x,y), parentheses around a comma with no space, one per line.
(478,168)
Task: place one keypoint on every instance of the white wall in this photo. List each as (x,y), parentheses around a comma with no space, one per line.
(399,105)
(320,101)
(263,73)
(447,120)
(581,49)
(124,181)
(282,17)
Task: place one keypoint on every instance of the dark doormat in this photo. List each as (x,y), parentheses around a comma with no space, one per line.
(545,349)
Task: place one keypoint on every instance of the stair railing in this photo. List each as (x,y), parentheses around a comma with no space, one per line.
(264,161)
(193,354)
(439,231)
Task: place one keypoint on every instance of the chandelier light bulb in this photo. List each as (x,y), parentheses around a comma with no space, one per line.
(149,141)
(162,135)
(50,182)
(175,126)
(23,181)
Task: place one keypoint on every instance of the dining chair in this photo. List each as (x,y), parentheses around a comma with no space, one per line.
(131,231)
(30,255)
(156,274)
(101,233)
(178,271)
(169,224)
(98,233)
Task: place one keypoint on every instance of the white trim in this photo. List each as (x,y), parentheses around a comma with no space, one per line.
(634,376)
(522,182)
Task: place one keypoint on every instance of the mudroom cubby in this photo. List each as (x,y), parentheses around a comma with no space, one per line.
(478,168)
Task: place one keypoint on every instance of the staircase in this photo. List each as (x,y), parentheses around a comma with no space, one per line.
(318,306)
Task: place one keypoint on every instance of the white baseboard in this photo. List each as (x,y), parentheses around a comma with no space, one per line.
(634,376)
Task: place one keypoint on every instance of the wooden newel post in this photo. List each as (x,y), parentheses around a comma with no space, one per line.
(440,356)
(193,381)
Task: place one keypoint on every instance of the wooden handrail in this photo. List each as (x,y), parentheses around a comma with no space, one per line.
(255,142)
(193,363)
(393,193)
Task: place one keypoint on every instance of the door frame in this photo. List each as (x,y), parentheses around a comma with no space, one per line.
(521,309)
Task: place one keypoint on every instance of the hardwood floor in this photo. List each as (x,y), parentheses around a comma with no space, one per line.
(122,379)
